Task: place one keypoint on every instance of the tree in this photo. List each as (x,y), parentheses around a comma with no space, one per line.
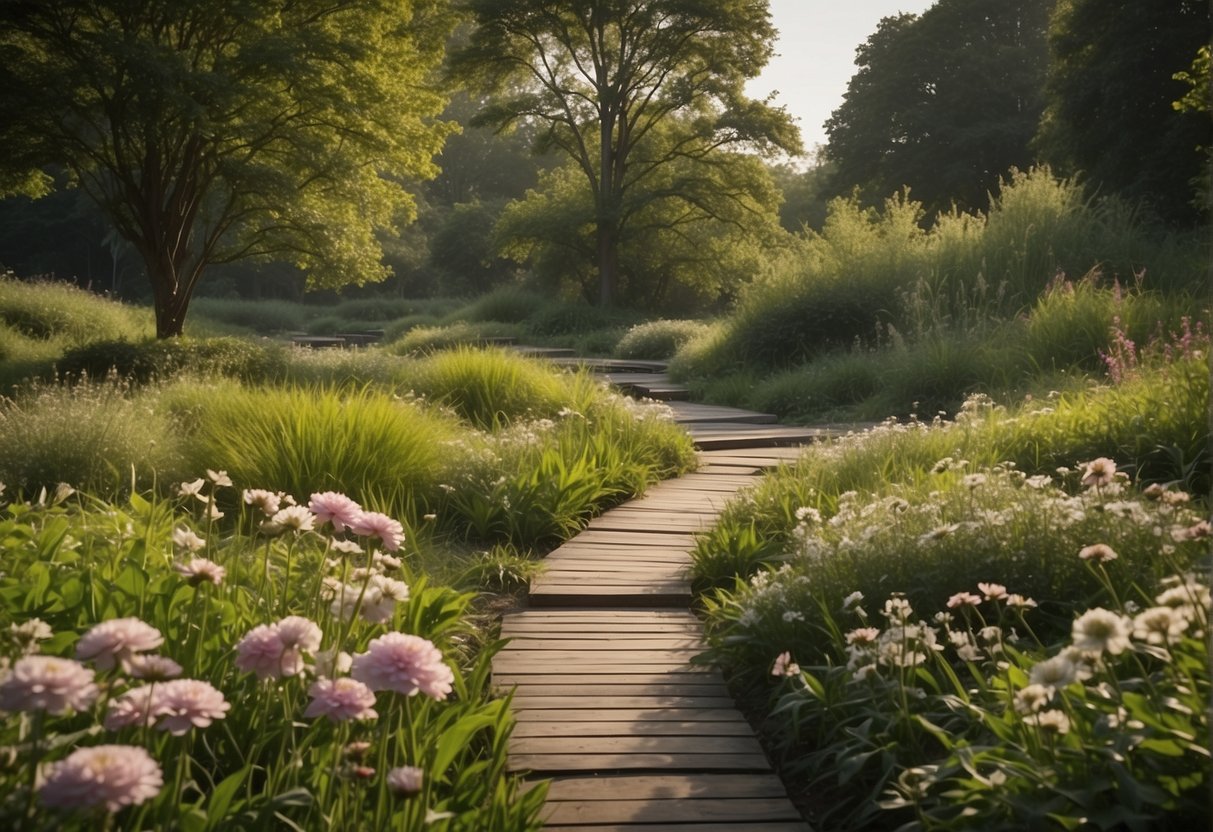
(601,77)
(210,131)
(1110,92)
(944,102)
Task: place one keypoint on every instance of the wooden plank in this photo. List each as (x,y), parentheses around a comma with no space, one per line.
(526,629)
(665,787)
(699,810)
(603,616)
(574,588)
(623,762)
(531,702)
(701,676)
(774,826)
(636,745)
(655,522)
(653,728)
(627,537)
(659,643)
(633,715)
(621,689)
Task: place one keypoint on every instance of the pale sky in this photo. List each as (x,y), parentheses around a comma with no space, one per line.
(815,55)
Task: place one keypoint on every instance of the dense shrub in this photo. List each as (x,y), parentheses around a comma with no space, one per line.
(264,317)
(507,304)
(143,361)
(565,318)
(657,340)
(424,339)
(60,312)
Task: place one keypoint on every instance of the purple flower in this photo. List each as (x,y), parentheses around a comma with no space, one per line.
(260,652)
(135,707)
(47,683)
(112,776)
(116,641)
(405,664)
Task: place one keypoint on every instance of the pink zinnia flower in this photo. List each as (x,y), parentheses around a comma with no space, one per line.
(116,641)
(405,780)
(112,776)
(295,518)
(403,663)
(333,507)
(964,599)
(201,571)
(188,703)
(341,699)
(374,524)
(260,652)
(47,683)
(784,666)
(135,707)
(993,592)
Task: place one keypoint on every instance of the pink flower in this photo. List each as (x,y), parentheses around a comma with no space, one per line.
(260,652)
(112,776)
(201,571)
(47,683)
(1098,472)
(784,666)
(267,501)
(405,780)
(992,592)
(1098,552)
(335,508)
(185,540)
(135,707)
(117,640)
(341,699)
(188,703)
(374,524)
(964,599)
(403,663)
(276,650)
(155,668)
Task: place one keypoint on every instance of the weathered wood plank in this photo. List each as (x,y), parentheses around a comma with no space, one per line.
(698,810)
(623,762)
(666,787)
(632,715)
(647,643)
(575,631)
(730,744)
(654,522)
(654,728)
(629,537)
(535,702)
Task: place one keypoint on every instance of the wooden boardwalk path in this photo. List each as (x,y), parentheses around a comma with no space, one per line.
(633,736)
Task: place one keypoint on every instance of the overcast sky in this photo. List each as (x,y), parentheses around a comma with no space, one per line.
(816,55)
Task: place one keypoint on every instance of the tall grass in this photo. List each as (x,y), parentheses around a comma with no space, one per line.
(52,311)
(96,436)
(301,440)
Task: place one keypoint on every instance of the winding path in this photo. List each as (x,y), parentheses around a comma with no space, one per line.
(632,734)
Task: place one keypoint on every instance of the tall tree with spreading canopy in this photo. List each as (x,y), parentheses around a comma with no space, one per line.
(214,130)
(944,102)
(603,77)
(1111,92)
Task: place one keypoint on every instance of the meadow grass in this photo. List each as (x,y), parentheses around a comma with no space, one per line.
(263,317)
(657,340)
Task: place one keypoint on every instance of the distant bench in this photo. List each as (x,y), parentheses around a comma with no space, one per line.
(340,340)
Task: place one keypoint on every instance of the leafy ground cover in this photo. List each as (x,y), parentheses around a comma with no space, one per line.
(297,639)
(997,621)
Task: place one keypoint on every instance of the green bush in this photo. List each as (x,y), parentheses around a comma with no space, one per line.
(264,317)
(144,361)
(834,381)
(507,304)
(565,318)
(657,340)
(424,339)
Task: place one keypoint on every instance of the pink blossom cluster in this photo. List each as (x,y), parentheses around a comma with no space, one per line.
(116,641)
(346,515)
(276,650)
(403,663)
(103,776)
(175,706)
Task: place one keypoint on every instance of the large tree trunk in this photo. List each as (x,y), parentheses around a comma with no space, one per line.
(170,295)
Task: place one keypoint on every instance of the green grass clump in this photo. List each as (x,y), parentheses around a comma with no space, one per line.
(833,382)
(657,340)
(424,339)
(568,318)
(370,445)
(95,436)
(61,313)
(144,361)
(506,304)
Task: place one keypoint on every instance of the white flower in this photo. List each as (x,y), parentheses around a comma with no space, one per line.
(1100,630)
(219,478)
(1160,625)
(1056,672)
(1049,721)
(1032,698)
(185,540)
(852,600)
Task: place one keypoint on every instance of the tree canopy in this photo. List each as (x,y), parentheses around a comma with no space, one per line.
(943,102)
(644,97)
(1112,87)
(210,131)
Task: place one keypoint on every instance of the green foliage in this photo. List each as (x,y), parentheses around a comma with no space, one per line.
(61,313)
(657,340)
(942,103)
(93,435)
(425,339)
(303,440)
(506,304)
(261,761)
(833,381)
(571,318)
(264,317)
(208,115)
(1109,110)
(664,151)
(144,361)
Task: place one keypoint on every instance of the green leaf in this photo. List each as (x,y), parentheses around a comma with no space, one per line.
(221,798)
